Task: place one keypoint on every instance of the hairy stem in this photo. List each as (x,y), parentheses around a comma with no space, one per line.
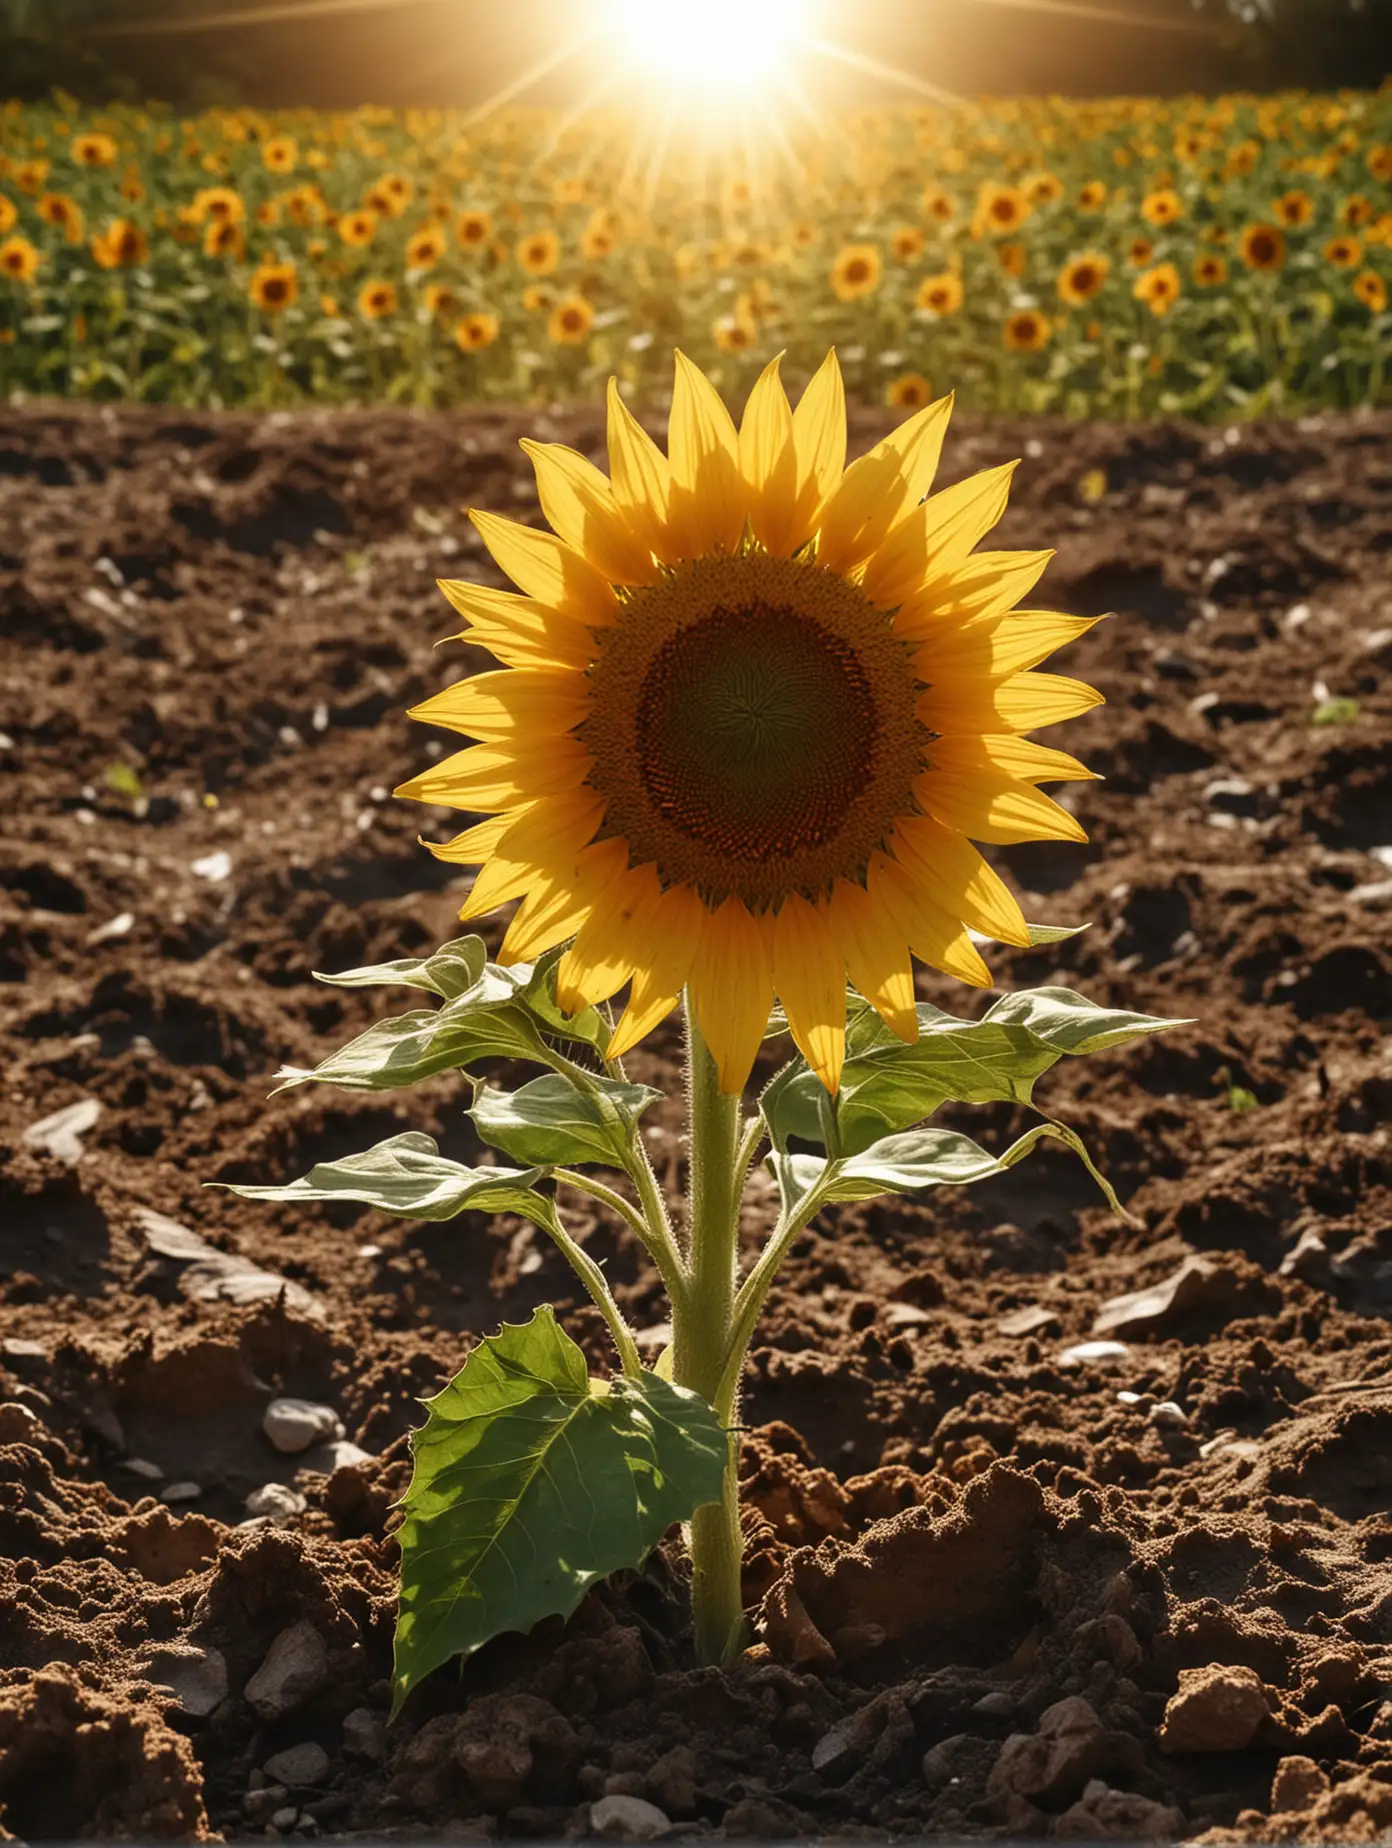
(702,1327)
(601,1295)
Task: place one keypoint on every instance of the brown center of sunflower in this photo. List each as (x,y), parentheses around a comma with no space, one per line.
(752,728)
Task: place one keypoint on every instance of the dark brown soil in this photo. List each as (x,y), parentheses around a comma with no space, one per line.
(997,1592)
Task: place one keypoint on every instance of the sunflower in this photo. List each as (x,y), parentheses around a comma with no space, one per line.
(425,247)
(909,392)
(391,195)
(570,320)
(358,228)
(1083,277)
(1294,210)
(539,252)
(1368,286)
(1140,251)
(221,239)
(599,237)
(30,176)
(94,150)
(280,154)
(751,711)
(1162,207)
(1000,209)
(939,205)
(221,203)
(1262,247)
(64,212)
(1043,188)
(1356,211)
(907,243)
(377,299)
(19,260)
(1092,196)
(855,272)
(121,246)
(274,287)
(1012,257)
(473,229)
(1210,270)
(9,215)
(1158,288)
(537,297)
(439,298)
(1026,331)
(476,331)
(1343,252)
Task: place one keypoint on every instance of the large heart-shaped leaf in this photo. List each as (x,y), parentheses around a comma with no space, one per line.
(532,1482)
(408,1176)
(449,971)
(552,1122)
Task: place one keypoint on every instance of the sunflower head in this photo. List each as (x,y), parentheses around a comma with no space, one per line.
(1026,331)
(753,708)
(475,332)
(1262,247)
(1083,277)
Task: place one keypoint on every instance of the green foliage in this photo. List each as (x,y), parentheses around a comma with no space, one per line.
(555,1124)
(533,1481)
(407,1175)
(1335,712)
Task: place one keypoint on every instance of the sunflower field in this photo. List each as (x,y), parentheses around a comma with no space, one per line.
(1204,257)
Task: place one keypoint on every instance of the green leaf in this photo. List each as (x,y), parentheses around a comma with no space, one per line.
(1054,933)
(449,971)
(409,1047)
(408,1176)
(539,993)
(531,1483)
(552,1122)
(925,1158)
(887,1085)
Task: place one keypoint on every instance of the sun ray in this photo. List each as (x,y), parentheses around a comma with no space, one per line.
(889,73)
(1109,16)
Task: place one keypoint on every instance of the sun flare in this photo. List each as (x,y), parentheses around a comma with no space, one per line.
(704,43)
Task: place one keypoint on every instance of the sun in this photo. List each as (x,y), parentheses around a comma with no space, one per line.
(704,43)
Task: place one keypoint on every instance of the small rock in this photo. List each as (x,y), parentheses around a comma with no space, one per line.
(18,1425)
(1201,1282)
(1102,1814)
(1053,1765)
(906,1315)
(996,1704)
(285,1818)
(142,1467)
(364,1735)
(628,1819)
(864,1737)
(1168,1414)
(261,1802)
(298,1765)
(1094,1354)
(118,926)
(273,1502)
(181,1492)
(1309,1260)
(948,1759)
(294,1424)
(324,1459)
(295,1668)
(1033,1319)
(1298,1784)
(197,1678)
(1219,1708)
(214,867)
(16,1347)
(60,1135)
(671,1782)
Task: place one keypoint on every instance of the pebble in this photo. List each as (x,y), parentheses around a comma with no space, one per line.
(213,866)
(285,1818)
(1219,1708)
(18,1424)
(60,1135)
(181,1492)
(16,1347)
(294,1425)
(1201,1282)
(1033,1319)
(1094,1354)
(364,1735)
(945,1762)
(298,1765)
(119,926)
(324,1459)
(197,1678)
(274,1503)
(1168,1413)
(144,1468)
(628,1819)
(258,1803)
(296,1667)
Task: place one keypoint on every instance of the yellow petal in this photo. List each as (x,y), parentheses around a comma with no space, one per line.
(988,585)
(732,990)
(1021,704)
(672,935)
(707,503)
(493,776)
(579,504)
(1032,763)
(555,908)
(541,565)
(989,805)
(517,630)
(540,837)
(933,541)
(819,437)
(996,648)
(496,706)
(768,463)
(947,869)
(638,475)
(494,884)
(934,935)
(881,488)
(809,975)
(877,957)
(610,944)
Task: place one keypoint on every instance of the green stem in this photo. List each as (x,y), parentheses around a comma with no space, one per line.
(595,1282)
(701,1334)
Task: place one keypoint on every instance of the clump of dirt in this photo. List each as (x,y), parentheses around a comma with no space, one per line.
(1056,1528)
